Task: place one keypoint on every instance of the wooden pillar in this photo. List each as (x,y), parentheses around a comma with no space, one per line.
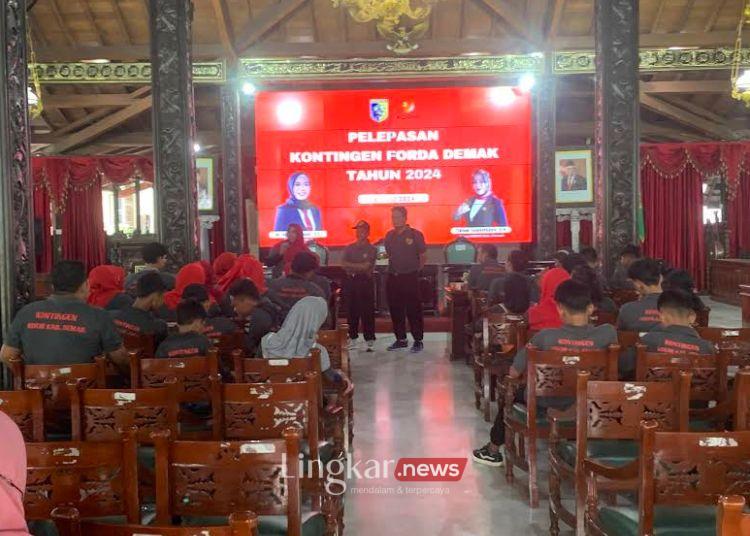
(616,127)
(231,169)
(544,166)
(173,118)
(16,218)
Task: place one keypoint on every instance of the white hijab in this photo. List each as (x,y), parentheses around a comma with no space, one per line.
(299,332)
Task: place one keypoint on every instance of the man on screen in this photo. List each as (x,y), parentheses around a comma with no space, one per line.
(571,180)
(297,208)
(484,209)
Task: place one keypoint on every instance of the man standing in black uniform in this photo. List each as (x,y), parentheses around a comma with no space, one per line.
(406,257)
(359,262)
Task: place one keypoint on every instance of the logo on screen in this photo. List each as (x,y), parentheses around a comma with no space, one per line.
(378,110)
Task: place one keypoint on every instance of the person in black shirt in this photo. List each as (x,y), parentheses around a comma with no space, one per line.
(190,341)
(359,263)
(583,273)
(488,270)
(620,280)
(517,263)
(260,314)
(215,325)
(575,307)
(675,334)
(642,315)
(288,290)
(682,280)
(63,329)
(155,257)
(138,318)
(592,259)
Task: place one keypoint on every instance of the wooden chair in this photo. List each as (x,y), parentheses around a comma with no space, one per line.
(702,318)
(549,374)
(735,340)
(98,479)
(68,523)
(608,416)
(681,476)
(52,381)
(337,343)
(623,296)
(217,478)
(628,339)
(502,334)
(26,409)
(143,343)
(731,520)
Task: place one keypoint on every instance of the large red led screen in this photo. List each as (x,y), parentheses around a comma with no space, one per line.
(458,158)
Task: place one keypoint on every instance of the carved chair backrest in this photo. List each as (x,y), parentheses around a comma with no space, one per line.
(690,468)
(276,370)
(98,479)
(26,409)
(502,330)
(709,372)
(217,478)
(731,520)
(336,342)
(195,376)
(99,414)
(735,340)
(602,317)
(628,339)
(142,342)
(623,296)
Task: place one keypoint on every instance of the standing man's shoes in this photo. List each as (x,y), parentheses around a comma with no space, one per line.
(417,347)
(398,345)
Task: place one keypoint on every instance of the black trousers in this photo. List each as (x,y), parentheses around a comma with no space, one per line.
(405,302)
(360,293)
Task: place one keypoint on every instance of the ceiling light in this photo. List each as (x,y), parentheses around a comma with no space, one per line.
(248,88)
(526,82)
(289,112)
(31,97)
(502,95)
(96,60)
(197,147)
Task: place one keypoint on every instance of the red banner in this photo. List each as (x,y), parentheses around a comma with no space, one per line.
(458,158)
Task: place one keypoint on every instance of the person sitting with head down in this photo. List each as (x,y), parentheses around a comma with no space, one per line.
(190,340)
(574,306)
(675,334)
(288,290)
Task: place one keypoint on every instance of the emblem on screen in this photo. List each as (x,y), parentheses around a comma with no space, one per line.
(378,110)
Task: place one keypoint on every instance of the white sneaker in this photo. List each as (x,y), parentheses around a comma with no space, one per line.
(353,344)
(370,346)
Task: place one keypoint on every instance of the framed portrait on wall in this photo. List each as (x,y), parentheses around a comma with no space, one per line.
(574,177)
(204,175)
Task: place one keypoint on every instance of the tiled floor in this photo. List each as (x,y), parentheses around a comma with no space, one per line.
(422,406)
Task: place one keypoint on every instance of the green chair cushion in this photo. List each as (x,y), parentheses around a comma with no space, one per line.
(519,412)
(612,452)
(313,523)
(668,520)
(700,425)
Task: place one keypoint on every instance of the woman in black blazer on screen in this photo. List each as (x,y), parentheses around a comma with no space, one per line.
(484,209)
(297,208)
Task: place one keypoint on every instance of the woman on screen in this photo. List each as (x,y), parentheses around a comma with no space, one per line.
(484,209)
(297,208)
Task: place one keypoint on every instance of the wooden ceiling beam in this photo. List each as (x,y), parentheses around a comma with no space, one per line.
(686,86)
(117,53)
(711,21)
(585,129)
(656,40)
(554,26)
(60,21)
(86,101)
(121,24)
(685,15)
(686,117)
(657,17)
(512,17)
(266,21)
(536,13)
(226,31)
(90,18)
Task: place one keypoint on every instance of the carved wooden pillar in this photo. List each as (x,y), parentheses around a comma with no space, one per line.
(173,117)
(544,167)
(231,166)
(16,218)
(616,130)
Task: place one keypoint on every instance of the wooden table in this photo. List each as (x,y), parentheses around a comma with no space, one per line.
(459,308)
(726,277)
(745,300)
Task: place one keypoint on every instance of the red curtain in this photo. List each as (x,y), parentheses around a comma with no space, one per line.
(673,212)
(564,235)
(586,234)
(739,217)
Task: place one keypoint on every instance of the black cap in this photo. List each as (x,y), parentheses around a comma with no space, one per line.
(361,223)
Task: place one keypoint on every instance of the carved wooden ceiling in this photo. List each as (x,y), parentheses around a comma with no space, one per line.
(113,118)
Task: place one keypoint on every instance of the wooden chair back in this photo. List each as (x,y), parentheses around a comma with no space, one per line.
(735,340)
(68,523)
(555,374)
(227,343)
(702,318)
(141,342)
(218,478)
(265,410)
(195,376)
(623,296)
(709,372)
(480,301)
(500,330)
(602,317)
(741,400)
(731,520)
(276,370)
(26,409)
(98,479)
(336,341)
(99,414)
(689,468)
(628,339)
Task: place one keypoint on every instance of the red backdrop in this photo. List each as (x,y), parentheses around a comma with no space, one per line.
(289,124)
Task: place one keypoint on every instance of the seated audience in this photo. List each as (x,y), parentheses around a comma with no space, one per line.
(682,280)
(592,259)
(290,289)
(223,263)
(559,256)
(516,293)
(190,340)
(574,305)
(211,281)
(642,315)
(482,275)
(628,256)
(139,318)
(190,274)
(588,276)
(244,267)
(546,313)
(283,253)
(215,325)
(573,260)
(675,334)
(106,288)
(262,315)
(63,329)
(155,257)
(12,479)
(517,263)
